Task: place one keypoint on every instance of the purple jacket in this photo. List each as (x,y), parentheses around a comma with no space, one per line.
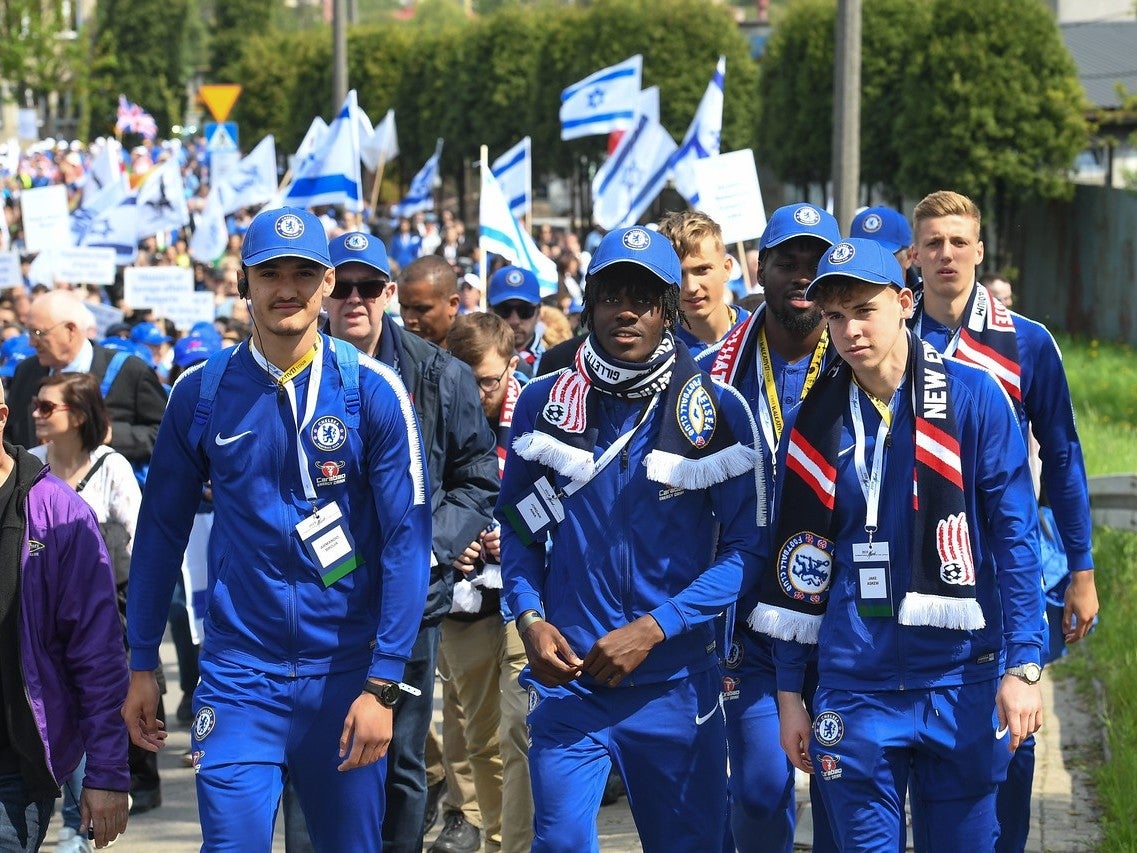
(71,641)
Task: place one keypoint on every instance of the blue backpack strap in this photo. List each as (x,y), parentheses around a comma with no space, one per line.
(211,375)
(113,368)
(348,359)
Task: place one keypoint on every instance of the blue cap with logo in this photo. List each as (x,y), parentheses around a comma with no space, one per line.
(357,247)
(638,245)
(149,333)
(883,224)
(285,232)
(799,220)
(190,350)
(862,260)
(117,344)
(514,283)
(12,352)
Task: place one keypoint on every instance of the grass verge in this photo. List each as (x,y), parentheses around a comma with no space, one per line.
(1103,386)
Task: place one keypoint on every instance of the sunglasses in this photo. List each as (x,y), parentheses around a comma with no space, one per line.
(523,310)
(46,408)
(371,289)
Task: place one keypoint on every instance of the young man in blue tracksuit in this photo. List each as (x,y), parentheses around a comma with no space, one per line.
(626,463)
(906,549)
(958,317)
(318,559)
(773,360)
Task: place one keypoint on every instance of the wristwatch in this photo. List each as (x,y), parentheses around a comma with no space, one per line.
(1028,672)
(387,693)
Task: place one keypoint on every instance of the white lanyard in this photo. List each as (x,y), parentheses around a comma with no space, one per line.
(317,369)
(611,453)
(870,481)
(952,345)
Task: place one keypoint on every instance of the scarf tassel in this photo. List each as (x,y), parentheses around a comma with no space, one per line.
(783,624)
(684,473)
(572,462)
(936,611)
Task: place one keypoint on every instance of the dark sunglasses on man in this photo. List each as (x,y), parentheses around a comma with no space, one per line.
(370,289)
(523,310)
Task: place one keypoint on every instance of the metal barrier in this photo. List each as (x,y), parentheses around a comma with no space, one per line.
(1113,501)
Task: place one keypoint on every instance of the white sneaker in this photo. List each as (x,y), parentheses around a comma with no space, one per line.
(71,842)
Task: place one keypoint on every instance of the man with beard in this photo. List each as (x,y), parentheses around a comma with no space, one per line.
(634,465)
(773,359)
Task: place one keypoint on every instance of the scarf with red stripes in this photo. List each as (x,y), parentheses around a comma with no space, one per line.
(505,419)
(987,339)
(795,588)
(694,448)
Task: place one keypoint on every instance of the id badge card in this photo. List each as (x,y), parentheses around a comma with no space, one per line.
(536,513)
(874,584)
(328,541)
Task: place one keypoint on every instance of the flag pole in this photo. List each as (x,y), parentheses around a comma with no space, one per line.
(376,183)
(483,264)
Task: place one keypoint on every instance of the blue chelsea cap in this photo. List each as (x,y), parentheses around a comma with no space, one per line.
(638,245)
(360,248)
(862,260)
(285,232)
(799,220)
(149,333)
(883,224)
(513,283)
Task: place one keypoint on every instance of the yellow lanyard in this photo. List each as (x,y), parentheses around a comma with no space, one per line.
(811,374)
(298,367)
(882,407)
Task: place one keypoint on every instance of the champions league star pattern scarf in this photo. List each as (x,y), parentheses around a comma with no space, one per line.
(694,448)
(795,589)
(987,339)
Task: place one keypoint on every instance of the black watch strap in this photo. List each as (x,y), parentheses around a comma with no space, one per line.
(387,694)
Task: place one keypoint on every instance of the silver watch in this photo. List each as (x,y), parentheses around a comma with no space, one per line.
(1031,673)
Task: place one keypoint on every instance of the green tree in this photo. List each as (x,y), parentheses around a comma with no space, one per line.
(38,51)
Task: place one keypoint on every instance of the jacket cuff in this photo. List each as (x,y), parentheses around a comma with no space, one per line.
(518,604)
(144,658)
(107,778)
(386,668)
(790,679)
(1081,561)
(669,619)
(1019,653)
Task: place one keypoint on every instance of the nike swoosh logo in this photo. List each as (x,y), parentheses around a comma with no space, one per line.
(700,719)
(221,442)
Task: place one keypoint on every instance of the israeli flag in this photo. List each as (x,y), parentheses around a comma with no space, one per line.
(162,202)
(702,139)
(499,232)
(602,102)
(252,181)
(313,138)
(210,234)
(105,169)
(332,175)
(116,227)
(632,177)
(513,171)
(421,194)
(382,146)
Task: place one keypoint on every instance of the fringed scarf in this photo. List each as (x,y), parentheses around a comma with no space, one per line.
(693,450)
(794,590)
(987,339)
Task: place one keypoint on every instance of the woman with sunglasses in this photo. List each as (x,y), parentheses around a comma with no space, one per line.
(71,422)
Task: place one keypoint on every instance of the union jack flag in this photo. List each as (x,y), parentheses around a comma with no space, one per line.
(134,119)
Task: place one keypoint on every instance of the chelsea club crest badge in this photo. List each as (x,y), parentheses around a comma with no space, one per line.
(695,412)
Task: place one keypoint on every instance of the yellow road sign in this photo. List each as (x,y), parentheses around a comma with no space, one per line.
(219,99)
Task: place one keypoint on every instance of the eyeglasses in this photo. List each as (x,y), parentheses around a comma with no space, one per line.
(47,408)
(523,310)
(371,289)
(489,384)
(39,333)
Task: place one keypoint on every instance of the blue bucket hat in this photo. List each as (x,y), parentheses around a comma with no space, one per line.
(883,224)
(799,220)
(862,260)
(285,232)
(149,333)
(637,245)
(513,283)
(361,248)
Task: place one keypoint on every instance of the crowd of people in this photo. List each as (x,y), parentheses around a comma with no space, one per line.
(642,527)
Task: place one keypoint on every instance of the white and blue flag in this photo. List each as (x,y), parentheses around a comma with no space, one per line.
(702,139)
(210,233)
(421,194)
(313,138)
(115,225)
(632,177)
(513,171)
(499,232)
(382,145)
(252,181)
(603,101)
(332,175)
(105,169)
(162,204)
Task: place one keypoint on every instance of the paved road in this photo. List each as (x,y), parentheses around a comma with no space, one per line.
(1063,816)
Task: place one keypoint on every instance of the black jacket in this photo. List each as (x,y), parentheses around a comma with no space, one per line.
(460,448)
(135,401)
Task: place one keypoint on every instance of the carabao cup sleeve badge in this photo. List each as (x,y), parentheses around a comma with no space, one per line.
(695,411)
(805,567)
